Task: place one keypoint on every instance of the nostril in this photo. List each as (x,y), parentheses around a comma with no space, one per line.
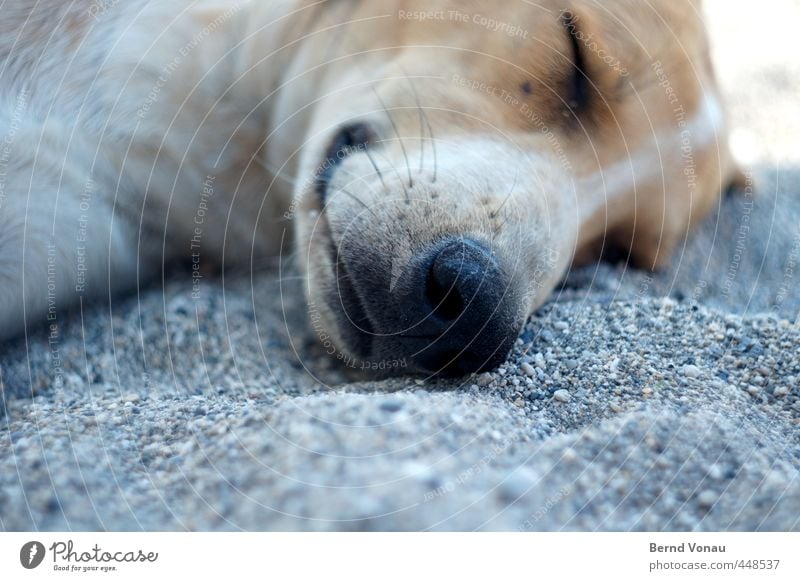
(455,313)
(443,295)
(455,277)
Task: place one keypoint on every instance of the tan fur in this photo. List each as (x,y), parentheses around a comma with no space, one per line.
(255,102)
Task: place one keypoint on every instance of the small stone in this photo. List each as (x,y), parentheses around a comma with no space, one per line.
(781,391)
(131,398)
(186,448)
(538,360)
(528,369)
(562,395)
(716,472)
(647,391)
(517,484)
(754,390)
(691,371)
(571,363)
(569,455)
(484,379)
(391,405)
(560,325)
(615,407)
(707,498)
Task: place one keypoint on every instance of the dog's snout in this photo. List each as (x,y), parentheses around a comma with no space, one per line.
(452,310)
(468,309)
(455,278)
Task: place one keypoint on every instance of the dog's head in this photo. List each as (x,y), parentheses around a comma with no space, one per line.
(456,160)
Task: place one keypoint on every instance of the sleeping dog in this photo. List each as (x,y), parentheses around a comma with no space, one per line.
(441,165)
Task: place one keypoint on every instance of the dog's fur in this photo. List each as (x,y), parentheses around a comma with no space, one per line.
(138,133)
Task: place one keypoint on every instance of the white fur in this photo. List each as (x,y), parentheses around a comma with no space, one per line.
(84,109)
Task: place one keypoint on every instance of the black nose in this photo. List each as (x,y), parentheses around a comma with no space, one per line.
(456,311)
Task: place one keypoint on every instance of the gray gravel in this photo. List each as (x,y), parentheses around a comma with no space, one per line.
(632,401)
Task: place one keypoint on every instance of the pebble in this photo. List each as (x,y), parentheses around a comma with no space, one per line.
(484,379)
(562,395)
(528,369)
(569,455)
(517,484)
(707,498)
(716,472)
(691,371)
(560,325)
(392,405)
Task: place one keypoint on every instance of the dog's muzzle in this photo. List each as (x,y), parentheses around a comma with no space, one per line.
(452,310)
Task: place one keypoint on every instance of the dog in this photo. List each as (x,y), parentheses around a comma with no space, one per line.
(440,166)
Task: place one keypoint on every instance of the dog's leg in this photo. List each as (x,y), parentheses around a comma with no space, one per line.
(60,236)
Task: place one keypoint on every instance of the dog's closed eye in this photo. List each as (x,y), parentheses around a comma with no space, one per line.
(578,82)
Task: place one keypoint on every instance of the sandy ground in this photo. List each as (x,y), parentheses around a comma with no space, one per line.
(632,401)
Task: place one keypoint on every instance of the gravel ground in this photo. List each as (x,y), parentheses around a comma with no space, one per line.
(632,401)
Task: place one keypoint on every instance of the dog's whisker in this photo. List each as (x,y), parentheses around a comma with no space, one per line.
(433,147)
(424,119)
(400,139)
(397,173)
(421,122)
(359,200)
(377,169)
(361,178)
(494,213)
(291,180)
